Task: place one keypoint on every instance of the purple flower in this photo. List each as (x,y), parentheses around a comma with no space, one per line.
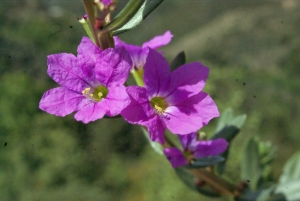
(170,100)
(139,54)
(194,149)
(91,83)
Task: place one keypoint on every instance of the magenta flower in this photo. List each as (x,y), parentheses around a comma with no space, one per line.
(91,83)
(170,100)
(194,149)
(139,54)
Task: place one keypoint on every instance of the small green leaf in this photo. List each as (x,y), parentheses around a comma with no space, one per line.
(147,7)
(289,181)
(266,193)
(205,162)
(189,180)
(228,127)
(228,120)
(291,169)
(250,167)
(155,145)
(291,189)
(178,60)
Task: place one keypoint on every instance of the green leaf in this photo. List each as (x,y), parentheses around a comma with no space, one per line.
(266,193)
(228,127)
(250,167)
(178,60)
(205,162)
(289,181)
(147,7)
(189,180)
(228,120)
(155,145)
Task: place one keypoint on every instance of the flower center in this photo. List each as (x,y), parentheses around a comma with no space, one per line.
(188,155)
(98,93)
(159,104)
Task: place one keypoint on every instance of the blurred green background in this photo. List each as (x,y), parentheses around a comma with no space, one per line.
(251,46)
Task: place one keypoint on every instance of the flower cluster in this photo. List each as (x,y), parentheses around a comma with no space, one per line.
(92,85)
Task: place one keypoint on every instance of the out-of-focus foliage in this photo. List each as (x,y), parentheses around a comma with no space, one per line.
(252,50)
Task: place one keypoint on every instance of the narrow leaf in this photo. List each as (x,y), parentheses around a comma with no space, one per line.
(205,162)
(147,7)
(228,127)
(178,60)
(250,167)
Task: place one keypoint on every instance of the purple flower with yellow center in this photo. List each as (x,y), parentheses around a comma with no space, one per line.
(139,54)
(170,100)
(193,149)
(91,83)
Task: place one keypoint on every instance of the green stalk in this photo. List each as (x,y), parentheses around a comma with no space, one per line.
(138,77)
(88,5)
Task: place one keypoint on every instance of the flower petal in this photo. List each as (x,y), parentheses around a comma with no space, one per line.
(64,69)
(60,101)
(186,81)
(187,140)
(175,157)
(156,129)
(137,54)
(159,41)
(91,111)
(87,56)
(210,147)
(119,42)
(116,100)
(191,114)
(139,108)
(88,49)
(113,66)
(156,74)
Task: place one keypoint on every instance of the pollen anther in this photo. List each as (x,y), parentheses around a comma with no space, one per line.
(159,104)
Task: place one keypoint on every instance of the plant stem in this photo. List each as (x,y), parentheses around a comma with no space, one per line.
(88,5)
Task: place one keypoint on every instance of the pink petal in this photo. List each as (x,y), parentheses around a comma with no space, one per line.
(205,106)
(120,43)
(60,101)
(159,41)
(156,129)
(186,81)
(91,112)
(113,66)
(156,74)
(88,53)
(210,148)
(137,54)
(187,140)
(88,49)
(191,114)
(175,157)
(182,122)
(64,69)
(139,109)
(116,100)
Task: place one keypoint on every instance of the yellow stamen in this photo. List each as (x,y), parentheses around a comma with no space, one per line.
(86,91)
(159,104)
(97,94)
